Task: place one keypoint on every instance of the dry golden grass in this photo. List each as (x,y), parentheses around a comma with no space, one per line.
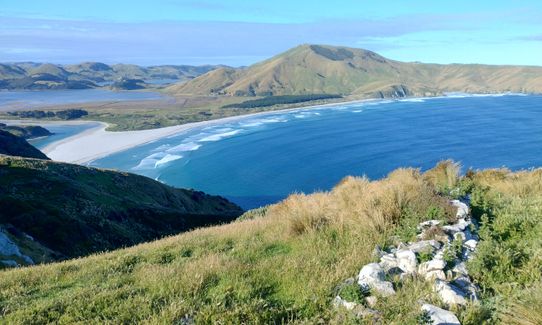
(282,265)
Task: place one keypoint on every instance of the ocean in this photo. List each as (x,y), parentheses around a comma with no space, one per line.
(261,160)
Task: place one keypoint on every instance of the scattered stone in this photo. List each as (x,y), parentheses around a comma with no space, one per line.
(462,209)
(471,244)
(372,276)
(395,271)
(340,302)
(428,224)
(436,264)
(466,285)
(460,226)
(434,275)
(440,316)
(406,259)
(460,268)
(388,262)
(424,245)
(450,294)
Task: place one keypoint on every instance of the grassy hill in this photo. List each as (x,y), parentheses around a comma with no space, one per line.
(283,263)
(13,145)
(28,75)
(25,131)
(54,211)
(320,69)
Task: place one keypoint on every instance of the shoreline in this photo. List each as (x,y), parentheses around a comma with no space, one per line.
(87,146)
(96,142)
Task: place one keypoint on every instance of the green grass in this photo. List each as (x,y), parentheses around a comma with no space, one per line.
(282,264)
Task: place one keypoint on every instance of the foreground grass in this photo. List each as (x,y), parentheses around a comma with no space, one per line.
(282,263)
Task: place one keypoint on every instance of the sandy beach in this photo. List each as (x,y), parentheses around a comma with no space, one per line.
(96,143)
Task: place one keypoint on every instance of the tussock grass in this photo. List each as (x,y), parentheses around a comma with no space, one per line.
(508,262)
(279,264)
(283,263)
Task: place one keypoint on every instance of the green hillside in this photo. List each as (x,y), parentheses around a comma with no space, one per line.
(284,263)
(321,69)
(25,131)
(54,211)
(36,76)
(13,145)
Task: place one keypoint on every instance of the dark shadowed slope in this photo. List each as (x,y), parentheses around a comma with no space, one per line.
(15,146)
(54,210)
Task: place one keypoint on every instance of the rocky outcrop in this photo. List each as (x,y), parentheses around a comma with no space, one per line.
(440,316)
(372,276)
(445,268)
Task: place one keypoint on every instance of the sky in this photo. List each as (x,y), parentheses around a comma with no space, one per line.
(241,32)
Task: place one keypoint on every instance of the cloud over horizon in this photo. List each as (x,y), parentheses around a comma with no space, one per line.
(460,37)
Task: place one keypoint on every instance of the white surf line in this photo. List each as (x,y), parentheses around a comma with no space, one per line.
(96,143)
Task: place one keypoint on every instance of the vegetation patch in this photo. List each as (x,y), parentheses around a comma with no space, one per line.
(281,100)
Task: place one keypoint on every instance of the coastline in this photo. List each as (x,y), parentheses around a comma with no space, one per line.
(96,143)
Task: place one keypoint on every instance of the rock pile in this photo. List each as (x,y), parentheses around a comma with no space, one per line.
(440,259)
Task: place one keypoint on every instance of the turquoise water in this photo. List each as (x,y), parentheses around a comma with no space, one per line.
(22,98)
(263,159)
(59,132)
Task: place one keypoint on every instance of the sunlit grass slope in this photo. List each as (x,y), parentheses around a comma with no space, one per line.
(282,263)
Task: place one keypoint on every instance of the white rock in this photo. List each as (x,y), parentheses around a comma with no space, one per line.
(340,302)
(372,275)
(465,284)
(428,224)
(406,259)
(440,316)
(457,227)
(462,208)
(460,268)
(424,245)
(388,262)
(471,244)
(433,275)
(439,255)
(449,293)
(436,264)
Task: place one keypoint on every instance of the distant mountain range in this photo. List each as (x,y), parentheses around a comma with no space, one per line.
(28,75)
(321,69)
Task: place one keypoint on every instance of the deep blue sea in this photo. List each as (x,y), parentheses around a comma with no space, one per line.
(261,160)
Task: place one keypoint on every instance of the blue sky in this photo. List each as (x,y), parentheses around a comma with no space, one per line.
(239,32)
